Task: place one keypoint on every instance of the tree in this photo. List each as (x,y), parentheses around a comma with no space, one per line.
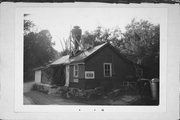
(28,26)
(140,43)
(38,50)
(88,39)
(101,35)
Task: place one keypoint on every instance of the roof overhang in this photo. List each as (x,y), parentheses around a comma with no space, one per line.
(79,63)
(40,68)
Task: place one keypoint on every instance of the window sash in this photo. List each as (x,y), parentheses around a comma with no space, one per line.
(107,69)
(76,70)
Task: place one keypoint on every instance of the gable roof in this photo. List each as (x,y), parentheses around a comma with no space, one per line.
(85,55)
(66,59)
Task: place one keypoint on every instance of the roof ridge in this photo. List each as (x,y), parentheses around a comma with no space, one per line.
(83,55)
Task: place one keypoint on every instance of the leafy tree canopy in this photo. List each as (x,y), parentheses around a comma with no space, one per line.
(139,42)
(101,35)
(38,49)
(28,26)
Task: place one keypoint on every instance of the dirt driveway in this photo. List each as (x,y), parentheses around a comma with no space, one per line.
(28,86)
(40,98)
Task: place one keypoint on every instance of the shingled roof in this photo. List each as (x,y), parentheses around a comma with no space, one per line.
(86,53)
(83,56)
(62,60)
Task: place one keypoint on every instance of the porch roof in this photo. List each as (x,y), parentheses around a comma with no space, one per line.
(62,60)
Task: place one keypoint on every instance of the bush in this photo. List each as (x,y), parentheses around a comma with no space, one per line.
(34,87)
(67,92)
(63,91)
(41,87)
(72,93)
(99,91)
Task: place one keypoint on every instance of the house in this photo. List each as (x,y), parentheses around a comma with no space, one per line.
(88,68)
(102,65)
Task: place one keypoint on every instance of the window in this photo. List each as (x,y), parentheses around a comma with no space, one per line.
(107,70)
(89,74)
(75,70)
(76,80)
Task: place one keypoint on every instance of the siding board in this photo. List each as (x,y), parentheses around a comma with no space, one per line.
(120,69)
(81,75)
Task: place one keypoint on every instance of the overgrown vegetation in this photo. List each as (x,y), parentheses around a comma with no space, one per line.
(97,96)
(139,43)
(99,92)
(38,49)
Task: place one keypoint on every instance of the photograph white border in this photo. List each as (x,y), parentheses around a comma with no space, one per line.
(19,107)
(11,86)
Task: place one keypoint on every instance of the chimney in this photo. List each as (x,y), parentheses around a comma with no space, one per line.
(76,35)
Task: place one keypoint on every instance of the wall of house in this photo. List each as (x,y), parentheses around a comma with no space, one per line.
(59,75)
(120,69)
(38,76)
(46,76)
(77,81)
(67,75)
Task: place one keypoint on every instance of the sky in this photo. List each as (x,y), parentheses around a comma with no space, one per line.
(60,21)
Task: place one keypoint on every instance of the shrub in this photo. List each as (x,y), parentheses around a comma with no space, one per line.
(41,87)
(94,93)
(72,93)
(34,87)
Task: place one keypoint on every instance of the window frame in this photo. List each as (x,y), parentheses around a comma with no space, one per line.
(110,70)
(91,72)
(76,80)
(76,70)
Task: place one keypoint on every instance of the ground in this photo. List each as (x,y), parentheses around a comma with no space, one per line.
(35,97)
(45,99)
(28,86)
(39,98)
